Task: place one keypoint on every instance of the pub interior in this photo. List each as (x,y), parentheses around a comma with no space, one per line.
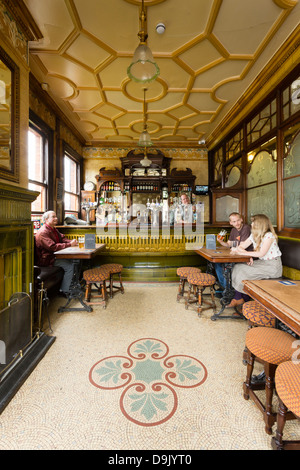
(110,146)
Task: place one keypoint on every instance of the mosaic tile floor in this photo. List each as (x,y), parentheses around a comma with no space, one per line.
(142,374)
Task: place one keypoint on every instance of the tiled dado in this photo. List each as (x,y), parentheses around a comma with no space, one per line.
(16,241)
(22,347)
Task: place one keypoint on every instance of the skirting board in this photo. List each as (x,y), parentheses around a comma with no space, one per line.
(23,368)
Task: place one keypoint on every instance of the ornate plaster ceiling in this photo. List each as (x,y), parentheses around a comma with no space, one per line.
(210,52)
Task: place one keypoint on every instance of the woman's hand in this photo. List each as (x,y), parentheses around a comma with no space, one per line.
(241,251)
(74,242)
(250,262)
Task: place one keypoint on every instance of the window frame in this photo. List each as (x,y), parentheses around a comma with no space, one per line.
(75,157)
(37,125)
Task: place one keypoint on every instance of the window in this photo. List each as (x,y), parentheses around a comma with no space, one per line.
(262,123)
(235,145)
(37,167)
(290,99)
(71,185)
(291,177)
(262,180)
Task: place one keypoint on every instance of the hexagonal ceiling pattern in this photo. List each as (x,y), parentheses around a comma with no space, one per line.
(209,53)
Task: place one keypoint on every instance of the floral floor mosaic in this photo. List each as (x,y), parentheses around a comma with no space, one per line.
(144,374)
(148,377)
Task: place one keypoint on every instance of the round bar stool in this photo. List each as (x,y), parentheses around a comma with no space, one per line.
(271,347)
(183,273)
(287,383)
(257,315)
(114,269)
(96,276)
(199,281)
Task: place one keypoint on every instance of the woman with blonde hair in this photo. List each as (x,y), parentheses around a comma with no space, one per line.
(265,262)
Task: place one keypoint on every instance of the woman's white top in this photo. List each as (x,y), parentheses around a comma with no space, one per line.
(273,251)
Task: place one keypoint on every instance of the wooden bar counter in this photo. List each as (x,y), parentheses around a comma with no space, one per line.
(147,254)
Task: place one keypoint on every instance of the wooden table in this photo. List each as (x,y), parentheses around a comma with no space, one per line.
(77,254)
(223,255)
(279,297)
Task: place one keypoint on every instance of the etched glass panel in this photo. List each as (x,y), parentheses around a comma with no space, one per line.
(291,99)
(263,170)
(263,200)
(291,190)
(291,163)
(224,206)
(233,177)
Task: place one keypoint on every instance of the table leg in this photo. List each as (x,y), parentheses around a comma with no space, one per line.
(76,292)
(228,294)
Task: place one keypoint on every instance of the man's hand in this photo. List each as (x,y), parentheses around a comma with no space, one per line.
(220,240)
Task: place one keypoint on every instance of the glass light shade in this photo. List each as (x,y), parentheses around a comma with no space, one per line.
(145,162)
(143,69)
(145,140)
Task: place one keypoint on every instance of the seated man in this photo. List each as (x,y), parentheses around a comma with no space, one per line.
(240,232)
(48,240)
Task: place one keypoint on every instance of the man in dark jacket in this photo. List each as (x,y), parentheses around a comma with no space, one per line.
(48,240)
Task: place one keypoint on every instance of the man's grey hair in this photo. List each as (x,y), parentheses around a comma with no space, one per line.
(46,215)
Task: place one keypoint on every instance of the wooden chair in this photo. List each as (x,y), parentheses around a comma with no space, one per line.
(198,282)
(272,347)
(287,383)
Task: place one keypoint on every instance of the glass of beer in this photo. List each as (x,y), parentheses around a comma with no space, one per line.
(222,234)
(81,242)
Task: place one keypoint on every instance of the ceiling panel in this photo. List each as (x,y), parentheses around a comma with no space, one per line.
(209,54)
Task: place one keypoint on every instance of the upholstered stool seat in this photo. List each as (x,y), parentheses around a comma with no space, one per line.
(114,268)
(271,347)
(96,276)
(287,383)
(200,281)
(183,273)
(257,315)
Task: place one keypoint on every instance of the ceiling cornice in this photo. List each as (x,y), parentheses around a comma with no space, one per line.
(24,19)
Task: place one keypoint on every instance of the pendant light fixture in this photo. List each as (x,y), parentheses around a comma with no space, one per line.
(145,162)
(145,139)
(143,69)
